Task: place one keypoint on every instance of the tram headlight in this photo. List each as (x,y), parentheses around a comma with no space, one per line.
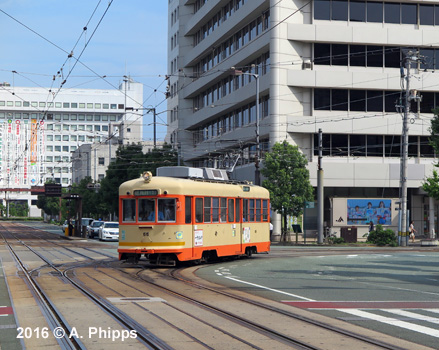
(147,176)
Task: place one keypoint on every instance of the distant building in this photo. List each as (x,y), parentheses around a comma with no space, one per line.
(93,159)
(330,65)
(40,127)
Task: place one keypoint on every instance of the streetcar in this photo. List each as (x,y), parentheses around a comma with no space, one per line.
(191,215)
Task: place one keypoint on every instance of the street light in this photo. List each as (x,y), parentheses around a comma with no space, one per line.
(257,158)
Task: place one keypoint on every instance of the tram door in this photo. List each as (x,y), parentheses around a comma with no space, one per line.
(238,219)
(189,218)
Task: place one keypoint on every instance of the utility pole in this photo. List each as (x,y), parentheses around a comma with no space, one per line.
(410,57)
(320,197)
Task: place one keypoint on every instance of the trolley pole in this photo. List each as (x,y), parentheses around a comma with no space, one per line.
(320,198)
(410,56)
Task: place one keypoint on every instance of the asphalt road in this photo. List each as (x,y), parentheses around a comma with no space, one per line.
(393,291)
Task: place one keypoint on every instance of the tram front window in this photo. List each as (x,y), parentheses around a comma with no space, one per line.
(129,210)
(146,210)
(167,208)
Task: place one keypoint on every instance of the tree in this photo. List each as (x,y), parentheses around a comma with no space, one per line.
(130,163)
(431,184)
(287,179)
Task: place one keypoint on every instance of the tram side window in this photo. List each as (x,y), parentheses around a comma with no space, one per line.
(251,210)
(245,210)
(231,215)
(167,208)
(129,210)
(215,209)
(264,210)
(199,210)
(258,210)
(146,210)
(223,210)
(207,207)
(188,210)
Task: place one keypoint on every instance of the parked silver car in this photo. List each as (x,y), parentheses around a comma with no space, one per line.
(93,228)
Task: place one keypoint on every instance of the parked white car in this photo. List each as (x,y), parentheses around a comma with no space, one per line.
(109,231)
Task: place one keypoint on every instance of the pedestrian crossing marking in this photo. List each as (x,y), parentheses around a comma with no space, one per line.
(392,321)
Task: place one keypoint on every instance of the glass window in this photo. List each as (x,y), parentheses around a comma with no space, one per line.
(258,211)
(436,15)
(66,127)
(57,105)
(322,99)
(82,105)
(231,210)
(425,148)
(89,105)
(357,145)
(49,158)
(339,55)
(339,100)
(245,210)
(199,210)
(409,13)
(374,56)
(357,100)
(413,146)
(428,62)
(57,137)
(25,103)
(129,210)
(65,137)
(73,117)
(66,105)
(166,209)
(339,10)
(105,106)
(81,117)
(49,137)
(374,101)
(339,145)
(74,105)
(223,209)
(392,12)
(322,54)
(147,209)
(392,57)
(322,9)
(97,106)
(357,55)
(392,146)
(357,11)
(17,103)
(427,103)
(188,210)
(65,117)
(113,106)
(89,117)
(57,116)
(81,138)
(65,148)
(265,210)
(215,209)
(374,12)
(391,99)
(57,148)
(251,210)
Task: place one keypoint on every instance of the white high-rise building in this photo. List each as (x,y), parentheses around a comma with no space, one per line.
(40,127)
(333,65)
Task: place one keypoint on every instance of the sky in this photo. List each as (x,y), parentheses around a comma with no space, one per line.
(123,37)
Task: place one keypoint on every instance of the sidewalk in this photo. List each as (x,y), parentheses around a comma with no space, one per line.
(8,322)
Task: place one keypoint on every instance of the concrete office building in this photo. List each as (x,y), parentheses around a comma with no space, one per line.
(323,64)
(93,159)
(40,128)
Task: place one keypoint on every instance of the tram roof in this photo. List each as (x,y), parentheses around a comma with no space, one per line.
(196,187)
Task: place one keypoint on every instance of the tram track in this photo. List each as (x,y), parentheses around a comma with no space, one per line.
(55,318)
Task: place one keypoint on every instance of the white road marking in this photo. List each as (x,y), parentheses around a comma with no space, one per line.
(267,288)
(413,315)
(392,321)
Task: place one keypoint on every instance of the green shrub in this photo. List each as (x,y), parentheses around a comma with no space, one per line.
(336,240)
(382,237)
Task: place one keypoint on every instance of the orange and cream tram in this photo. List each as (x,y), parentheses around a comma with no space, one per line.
(191,214)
